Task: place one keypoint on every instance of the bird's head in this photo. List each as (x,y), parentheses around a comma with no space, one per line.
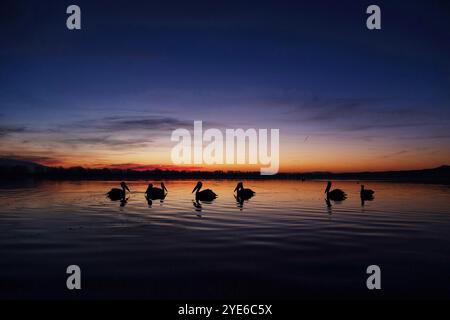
(239,186)
(198,186)
(124,186)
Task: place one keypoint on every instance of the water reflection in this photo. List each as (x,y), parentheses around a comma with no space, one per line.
(296,199)
(364,199)
(286,235)
(241,200)
(150,200)
(197,205)
(123,202)
(328,203)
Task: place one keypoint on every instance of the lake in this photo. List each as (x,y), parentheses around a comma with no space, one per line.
(284,243)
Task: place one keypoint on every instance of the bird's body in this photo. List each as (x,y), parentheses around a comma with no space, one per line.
(204,195)
(154,193)
(336,194)
(118,194)
(243,193)
(366,194)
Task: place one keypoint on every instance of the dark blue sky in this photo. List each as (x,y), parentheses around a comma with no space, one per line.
(138,69)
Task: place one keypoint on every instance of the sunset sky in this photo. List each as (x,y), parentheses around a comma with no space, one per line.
(109,95)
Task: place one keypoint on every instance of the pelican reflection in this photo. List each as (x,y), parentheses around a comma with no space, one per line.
(240,202)
(198,207)
(123,202)
(329,206)
(366,195)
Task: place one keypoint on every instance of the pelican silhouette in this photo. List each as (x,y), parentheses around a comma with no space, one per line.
(243,193)
(204,195)
(336,194)
(154,193)
(118,194)
(366,194)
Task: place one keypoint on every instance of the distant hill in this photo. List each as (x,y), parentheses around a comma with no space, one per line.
(14,163)
(439,175)
(20,169)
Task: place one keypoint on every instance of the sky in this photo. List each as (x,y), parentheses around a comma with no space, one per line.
(345,98)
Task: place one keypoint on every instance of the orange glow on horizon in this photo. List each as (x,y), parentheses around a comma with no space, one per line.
(317,154)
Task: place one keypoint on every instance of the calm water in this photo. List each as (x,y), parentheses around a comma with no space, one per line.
(283,243)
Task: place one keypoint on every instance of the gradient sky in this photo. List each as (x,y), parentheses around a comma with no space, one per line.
(344,98)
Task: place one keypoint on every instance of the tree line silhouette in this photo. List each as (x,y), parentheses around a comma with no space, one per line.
(437,175)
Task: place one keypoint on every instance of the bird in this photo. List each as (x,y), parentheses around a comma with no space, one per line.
(336,194)
(154,193)
(366,194)
(243,193)
(204,195)
(118,194)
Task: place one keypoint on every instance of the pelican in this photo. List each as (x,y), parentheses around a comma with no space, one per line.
(204,195)
(118,194)
(336,194)
(366,194)
(242,193)
(156,193)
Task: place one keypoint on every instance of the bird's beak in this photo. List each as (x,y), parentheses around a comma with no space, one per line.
(126,187)
(236,188)
(196,187)
(164,187)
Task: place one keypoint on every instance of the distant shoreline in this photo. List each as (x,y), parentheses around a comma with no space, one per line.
(25,170)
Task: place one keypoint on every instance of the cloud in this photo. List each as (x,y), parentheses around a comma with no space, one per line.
(106,135)
(107,141)
(351,114)
(4,131)
(148,123)
(44,160)
(394,154)
(391,125)
(114,124)
(143,167)
(427,137)
(116,132)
